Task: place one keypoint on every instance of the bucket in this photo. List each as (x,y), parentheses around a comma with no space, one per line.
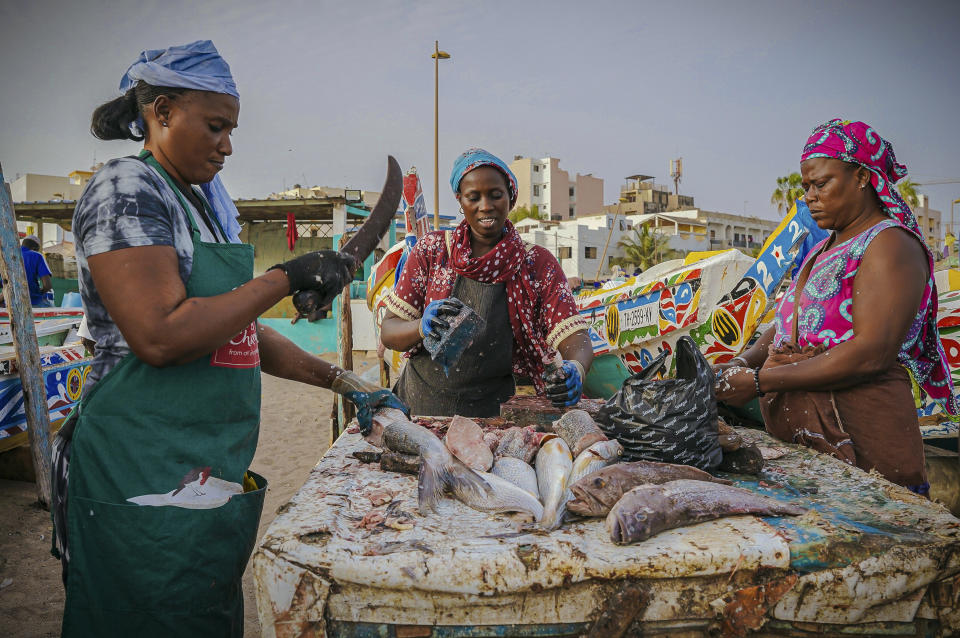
(71,300)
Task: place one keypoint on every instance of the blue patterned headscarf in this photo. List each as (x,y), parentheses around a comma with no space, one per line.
(198,66)
(475,157)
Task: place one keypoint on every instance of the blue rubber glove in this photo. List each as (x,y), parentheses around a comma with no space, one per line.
(565,390)
(369,402)
(433,320)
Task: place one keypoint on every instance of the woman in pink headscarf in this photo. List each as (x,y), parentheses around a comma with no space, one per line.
(857,322)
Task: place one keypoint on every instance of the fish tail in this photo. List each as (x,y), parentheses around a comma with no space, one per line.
(439,474)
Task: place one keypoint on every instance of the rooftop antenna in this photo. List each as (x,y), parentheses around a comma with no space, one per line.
(676,172)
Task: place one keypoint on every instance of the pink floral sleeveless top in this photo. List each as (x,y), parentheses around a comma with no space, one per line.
(826,317)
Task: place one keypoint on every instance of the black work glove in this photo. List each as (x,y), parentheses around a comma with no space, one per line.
(320,276)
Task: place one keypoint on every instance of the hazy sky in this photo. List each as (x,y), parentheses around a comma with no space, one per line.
(611,88)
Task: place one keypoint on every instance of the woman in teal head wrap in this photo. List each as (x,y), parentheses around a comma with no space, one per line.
(155,511)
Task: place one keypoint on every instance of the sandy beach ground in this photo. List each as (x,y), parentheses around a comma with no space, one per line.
(294,434)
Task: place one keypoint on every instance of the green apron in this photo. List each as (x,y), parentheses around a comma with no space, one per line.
(160,527)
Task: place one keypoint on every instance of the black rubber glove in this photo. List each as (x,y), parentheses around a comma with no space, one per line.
(323,273)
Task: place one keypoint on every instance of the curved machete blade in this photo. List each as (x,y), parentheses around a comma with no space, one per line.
(372,231)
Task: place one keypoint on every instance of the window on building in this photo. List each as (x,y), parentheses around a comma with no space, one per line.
(713,234)
(571,191)
(536,190)
(590,252)
(536,168)
(565,252)
(571,212)
(621,225)
(555,218)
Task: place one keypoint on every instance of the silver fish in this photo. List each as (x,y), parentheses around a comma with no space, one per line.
(554,462)
(648,510)
(439,470)
(503,496)
(517,472)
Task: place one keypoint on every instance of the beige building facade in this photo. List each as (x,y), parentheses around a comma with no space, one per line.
(542,183)
(34,187)
(641,195)
(930,222)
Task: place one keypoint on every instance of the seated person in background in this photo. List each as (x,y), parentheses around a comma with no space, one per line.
(38,274)
(856,323)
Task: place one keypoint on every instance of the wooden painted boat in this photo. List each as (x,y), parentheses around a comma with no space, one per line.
(718,299)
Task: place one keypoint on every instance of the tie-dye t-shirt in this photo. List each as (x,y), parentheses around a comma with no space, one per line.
(126,204)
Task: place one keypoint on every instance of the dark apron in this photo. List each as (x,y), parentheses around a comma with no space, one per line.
(482,379)
(155,547)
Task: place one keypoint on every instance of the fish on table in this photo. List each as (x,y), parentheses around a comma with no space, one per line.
(596,494)
(553,465)
(578,429)
(593,459)
(517,472)
(503,496)
(439,470)
(521,443)
(647,510)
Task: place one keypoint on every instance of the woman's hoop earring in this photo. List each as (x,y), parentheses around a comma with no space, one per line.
(861,185)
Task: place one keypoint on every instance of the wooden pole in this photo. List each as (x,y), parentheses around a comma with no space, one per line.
(345,412)
(24,334)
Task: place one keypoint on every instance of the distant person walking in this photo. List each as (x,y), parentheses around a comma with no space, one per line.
(38,274)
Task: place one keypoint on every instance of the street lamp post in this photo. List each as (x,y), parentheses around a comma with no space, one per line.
(437,55)
(953,233)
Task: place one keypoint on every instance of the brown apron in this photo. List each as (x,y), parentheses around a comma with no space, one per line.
(873,425)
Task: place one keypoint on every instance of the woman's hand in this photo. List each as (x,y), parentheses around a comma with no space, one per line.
(736,385)
(317,278)
(433,320)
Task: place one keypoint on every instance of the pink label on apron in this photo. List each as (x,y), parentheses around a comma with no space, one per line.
(243,351)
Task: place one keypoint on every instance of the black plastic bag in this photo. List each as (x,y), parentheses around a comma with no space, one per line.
(667,420)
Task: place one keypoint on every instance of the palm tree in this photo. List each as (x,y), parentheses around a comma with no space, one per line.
(909,193)
(788,191)
(644,249)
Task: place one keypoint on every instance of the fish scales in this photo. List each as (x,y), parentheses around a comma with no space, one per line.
(517,472)
(578,429)
(596,494)
(647,510)
(503,496)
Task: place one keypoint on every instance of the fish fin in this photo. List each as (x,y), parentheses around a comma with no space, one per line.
(436,477)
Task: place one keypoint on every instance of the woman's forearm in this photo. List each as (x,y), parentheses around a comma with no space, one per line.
(399,334)
(756,355)
(280,357)
(577,348)
(843,366)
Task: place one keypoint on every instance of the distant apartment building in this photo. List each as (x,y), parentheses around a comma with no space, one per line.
(641,195)
(33,187)
(543,183)
(577,246)
(929,221)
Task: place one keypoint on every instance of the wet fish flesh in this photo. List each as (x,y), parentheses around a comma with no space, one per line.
(492,439)
(578,430)
(439,470)
(553,464)
(521,443)
(517,472)
(465,441)
(503,496)
(648,510)
(596,494)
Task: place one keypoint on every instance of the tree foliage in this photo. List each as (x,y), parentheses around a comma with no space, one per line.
(908,191)
(644,249)
(788,191)
(524,212)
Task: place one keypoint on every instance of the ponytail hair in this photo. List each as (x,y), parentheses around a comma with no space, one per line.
(112,120)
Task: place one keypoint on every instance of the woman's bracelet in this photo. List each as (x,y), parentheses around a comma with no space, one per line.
(741,360)
(756,382)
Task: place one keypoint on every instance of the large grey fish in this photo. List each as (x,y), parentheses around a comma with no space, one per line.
(503,496)
(517,472)
(578,430)
(553,467)
(595,494)
(648,510)
(439,470)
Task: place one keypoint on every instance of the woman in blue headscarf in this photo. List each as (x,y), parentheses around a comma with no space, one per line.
(155,510)
(519,289)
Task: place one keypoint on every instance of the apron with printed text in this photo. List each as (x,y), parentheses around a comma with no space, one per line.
(162,514)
